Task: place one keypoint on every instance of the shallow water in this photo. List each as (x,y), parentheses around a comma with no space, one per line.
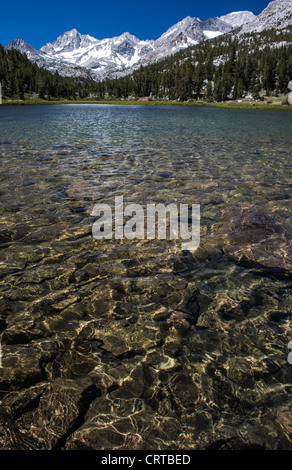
(137,344)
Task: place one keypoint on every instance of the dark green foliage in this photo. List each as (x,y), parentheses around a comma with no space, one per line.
(21,78)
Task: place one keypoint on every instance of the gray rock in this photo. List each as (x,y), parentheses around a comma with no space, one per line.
(258,240)
(290,85)
(290,97)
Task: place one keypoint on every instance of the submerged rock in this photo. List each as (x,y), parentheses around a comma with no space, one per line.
(48,412)
(11,438)
(22,365)
(258,240)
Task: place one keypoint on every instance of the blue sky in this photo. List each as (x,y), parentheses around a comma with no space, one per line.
(41,22)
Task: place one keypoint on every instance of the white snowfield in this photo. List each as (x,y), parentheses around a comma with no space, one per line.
(212,34)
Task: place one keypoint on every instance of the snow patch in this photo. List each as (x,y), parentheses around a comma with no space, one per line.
(212,34)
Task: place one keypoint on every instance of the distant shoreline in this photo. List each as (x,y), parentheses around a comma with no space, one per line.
(224,105)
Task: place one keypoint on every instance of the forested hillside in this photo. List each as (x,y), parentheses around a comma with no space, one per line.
(21,78)
(219,69)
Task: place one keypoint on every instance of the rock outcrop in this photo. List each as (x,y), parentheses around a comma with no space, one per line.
(290,92)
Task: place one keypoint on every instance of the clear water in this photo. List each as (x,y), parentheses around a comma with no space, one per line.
(187,350)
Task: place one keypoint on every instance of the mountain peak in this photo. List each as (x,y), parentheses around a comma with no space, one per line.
(71,32)
(128,35)
(18,40)
(238,18)
(189,18)
(21,45)
(67,41)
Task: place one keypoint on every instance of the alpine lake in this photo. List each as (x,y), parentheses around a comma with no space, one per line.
(138,344)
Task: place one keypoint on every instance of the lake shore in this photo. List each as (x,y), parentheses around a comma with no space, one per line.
(267,104)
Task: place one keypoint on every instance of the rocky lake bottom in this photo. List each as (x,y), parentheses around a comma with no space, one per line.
(136,344)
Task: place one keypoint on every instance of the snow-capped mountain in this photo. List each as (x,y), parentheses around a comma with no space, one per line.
(185,33)
(78,54)
(69,42)
(100,56)
(120,54)
(191,31)
(112,55)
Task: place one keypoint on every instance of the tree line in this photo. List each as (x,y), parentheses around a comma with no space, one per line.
(217,70)
(21,78)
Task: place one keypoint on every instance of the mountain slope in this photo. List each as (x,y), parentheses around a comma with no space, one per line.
(48,62)
(68,42)
(185,33)
(22,46)
(221,69)
(278,14)
(238,18)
